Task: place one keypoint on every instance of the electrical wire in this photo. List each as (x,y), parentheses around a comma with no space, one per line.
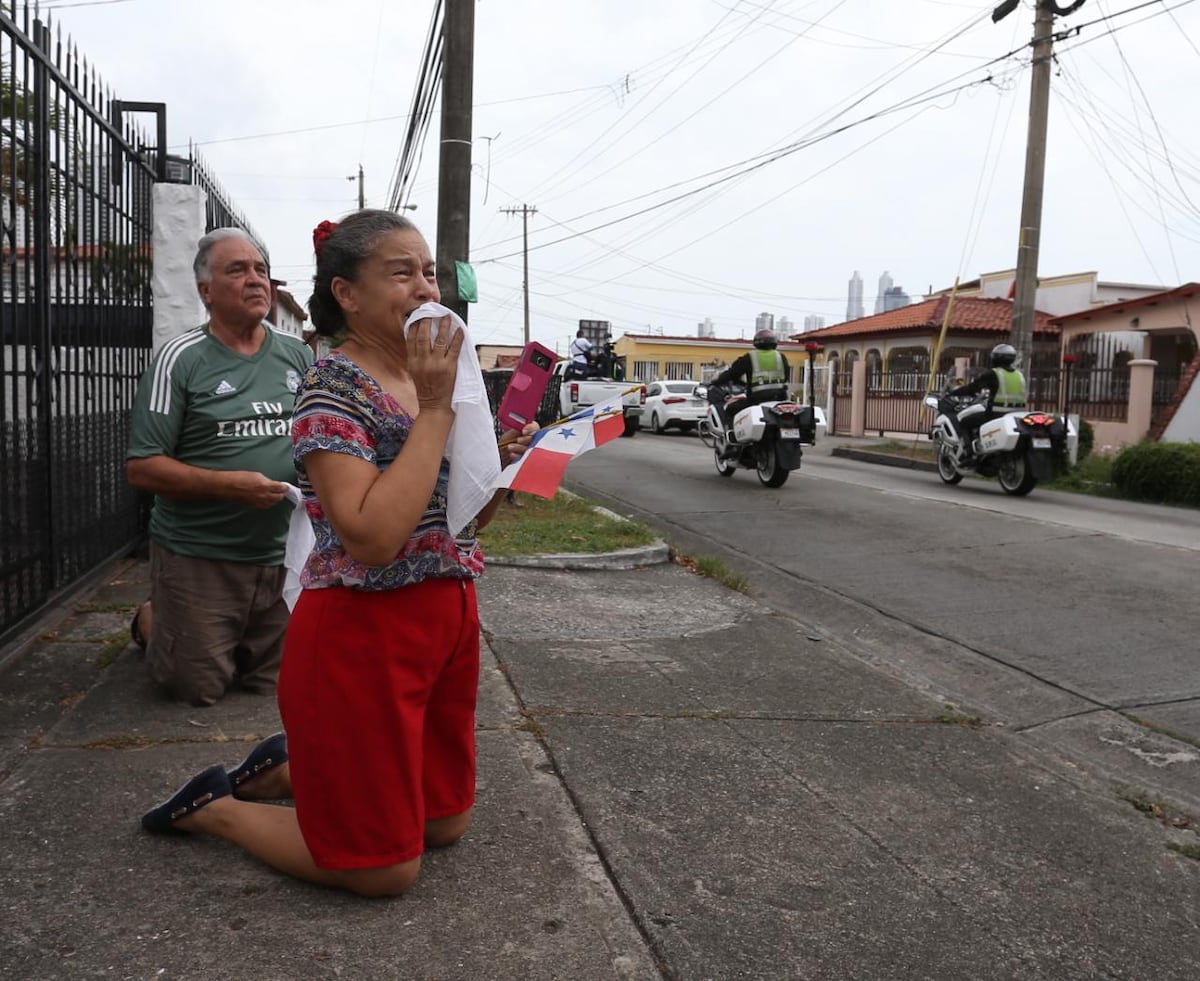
(725,91)
(814,124)
(567,172)
(749,167)
(420,112)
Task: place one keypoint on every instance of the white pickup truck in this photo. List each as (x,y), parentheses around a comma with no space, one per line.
(579,393)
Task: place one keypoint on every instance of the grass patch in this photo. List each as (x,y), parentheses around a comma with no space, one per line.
(113,646)
(1187,851)
(530,724)
(923,450)
(953,717)
(1160,810)
(1092,475)
(564,524)
(1164,731)
(106,608)
(713,568)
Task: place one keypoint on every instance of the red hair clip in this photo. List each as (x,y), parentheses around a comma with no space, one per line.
(321,233)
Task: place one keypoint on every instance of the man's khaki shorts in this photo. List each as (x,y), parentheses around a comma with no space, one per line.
(214,624)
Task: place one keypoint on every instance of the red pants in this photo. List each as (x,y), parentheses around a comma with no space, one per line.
(377,694)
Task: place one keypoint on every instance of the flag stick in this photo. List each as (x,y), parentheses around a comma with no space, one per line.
(558,422)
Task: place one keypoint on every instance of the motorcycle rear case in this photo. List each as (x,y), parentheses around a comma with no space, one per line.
(749,425)
(1002,435)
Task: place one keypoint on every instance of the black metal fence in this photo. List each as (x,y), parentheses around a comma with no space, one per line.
(75,313)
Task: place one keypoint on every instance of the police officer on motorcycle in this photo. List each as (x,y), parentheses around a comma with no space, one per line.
(1005,386)
(764,372)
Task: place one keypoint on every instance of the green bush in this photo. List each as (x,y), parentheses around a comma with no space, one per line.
(1087,440)
(1164,472)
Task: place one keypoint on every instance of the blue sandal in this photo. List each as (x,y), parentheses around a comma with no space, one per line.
(267,755)
(202,789)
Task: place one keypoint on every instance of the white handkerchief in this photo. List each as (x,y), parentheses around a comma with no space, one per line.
(300,542)
(471,448)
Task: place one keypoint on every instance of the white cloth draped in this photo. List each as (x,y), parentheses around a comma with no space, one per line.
(471,448)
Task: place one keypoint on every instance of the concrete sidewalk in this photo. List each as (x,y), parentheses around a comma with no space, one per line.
(674,782)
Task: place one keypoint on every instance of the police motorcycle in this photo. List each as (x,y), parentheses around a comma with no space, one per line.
(767,437)
(1020,447)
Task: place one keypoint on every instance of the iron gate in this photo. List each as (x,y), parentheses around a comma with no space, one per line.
(75,317)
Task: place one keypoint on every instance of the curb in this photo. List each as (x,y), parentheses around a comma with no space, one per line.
(866,456)
(626,558)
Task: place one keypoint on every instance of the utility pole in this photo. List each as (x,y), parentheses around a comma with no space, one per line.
(361,199)
(1029,238)
(454,162)
(524,211)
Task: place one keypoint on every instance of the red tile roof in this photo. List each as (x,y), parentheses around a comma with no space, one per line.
(971,314)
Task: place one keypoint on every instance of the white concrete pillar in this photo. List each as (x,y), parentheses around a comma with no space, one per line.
(858,398)
(179,223)
(961,367)
(1141,397)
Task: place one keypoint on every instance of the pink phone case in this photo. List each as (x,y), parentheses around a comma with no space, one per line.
(521,399)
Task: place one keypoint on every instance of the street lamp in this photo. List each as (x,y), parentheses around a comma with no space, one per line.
(1068,360)
(408,207)
(812,347)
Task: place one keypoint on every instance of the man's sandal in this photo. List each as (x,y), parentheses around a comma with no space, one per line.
(267,755)
(135,628)
(202,789)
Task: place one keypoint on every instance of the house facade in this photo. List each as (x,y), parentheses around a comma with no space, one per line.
(1056,295)
(1155,335)
(652,357)
(903,341)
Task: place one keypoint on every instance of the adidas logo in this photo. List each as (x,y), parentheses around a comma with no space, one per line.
(224,388)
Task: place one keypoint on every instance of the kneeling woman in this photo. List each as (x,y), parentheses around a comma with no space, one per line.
(380,666)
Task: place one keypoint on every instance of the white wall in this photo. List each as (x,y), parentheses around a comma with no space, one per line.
(1185,426)
(178,225)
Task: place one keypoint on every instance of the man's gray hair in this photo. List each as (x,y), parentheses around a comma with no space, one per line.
(204,249)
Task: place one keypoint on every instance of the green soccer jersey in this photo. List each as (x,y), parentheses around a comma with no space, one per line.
(203,404)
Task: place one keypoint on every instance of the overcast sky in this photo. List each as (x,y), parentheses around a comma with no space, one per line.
(602,108)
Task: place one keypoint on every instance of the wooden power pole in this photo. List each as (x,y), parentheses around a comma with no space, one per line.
(1029,238)
(454,161)
(524,211)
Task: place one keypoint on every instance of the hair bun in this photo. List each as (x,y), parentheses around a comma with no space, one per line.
(321,233)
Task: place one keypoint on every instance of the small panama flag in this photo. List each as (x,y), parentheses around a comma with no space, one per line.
(540,470)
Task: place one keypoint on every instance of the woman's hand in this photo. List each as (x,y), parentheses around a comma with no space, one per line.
(433,364)
(514,443)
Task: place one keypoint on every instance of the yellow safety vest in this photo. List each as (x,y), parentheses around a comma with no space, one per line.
(1010,389)
(766,369)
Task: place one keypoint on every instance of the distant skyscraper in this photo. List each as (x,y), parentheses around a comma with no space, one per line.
(784,328)
(854,303)
(707,328)
(764,321)
(895,298)
(813,322)
(885,284)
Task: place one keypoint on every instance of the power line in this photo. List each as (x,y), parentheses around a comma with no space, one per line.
(749,167)
(420,111)
(769,154)
(378,119)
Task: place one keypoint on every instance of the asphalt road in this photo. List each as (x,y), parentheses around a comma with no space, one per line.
(1034,610)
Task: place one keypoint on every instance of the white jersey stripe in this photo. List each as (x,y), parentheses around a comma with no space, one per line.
(160,395)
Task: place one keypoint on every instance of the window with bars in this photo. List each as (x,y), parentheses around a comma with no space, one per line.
(678,371)
(645,371)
